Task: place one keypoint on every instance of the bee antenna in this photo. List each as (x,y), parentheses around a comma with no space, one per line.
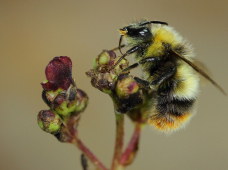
(153,22)
(120,41)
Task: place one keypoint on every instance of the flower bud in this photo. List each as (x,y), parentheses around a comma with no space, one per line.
(82,101)
(63,135)
(126,86)
(49,121)
(103,75)
(65,102)
(50,95)
(127,92)
(58,74)
(103,59)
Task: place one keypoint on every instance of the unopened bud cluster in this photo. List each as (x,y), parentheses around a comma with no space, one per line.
(64,102)
(122,87)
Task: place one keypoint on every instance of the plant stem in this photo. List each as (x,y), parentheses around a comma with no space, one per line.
(72,129)
(128,156)
(119,142)
(88,153)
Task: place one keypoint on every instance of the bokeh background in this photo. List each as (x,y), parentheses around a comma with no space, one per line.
(33,32)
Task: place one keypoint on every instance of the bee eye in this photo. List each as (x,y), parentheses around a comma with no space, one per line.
(124,29)
(144,32)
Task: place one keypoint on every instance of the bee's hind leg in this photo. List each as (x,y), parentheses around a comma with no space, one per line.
(144,83)
(140,81)
(142,61)
(131,67)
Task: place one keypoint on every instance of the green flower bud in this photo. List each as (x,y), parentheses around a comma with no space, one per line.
(65,102)
(49,121)
(122,65)
(50,95)
(82,101)
(126,86)
(103,59)
(103,75)
(127,93)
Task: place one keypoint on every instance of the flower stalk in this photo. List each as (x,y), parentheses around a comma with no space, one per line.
(129,154)
(88,153)
(127,97)
(119,141)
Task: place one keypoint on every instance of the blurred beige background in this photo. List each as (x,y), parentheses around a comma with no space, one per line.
(33,32)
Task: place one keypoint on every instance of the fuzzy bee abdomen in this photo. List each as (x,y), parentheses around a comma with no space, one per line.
(175,101)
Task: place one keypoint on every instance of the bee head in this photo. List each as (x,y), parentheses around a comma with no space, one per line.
(136,32)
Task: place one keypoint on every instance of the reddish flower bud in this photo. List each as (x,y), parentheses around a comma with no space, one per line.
(58,73)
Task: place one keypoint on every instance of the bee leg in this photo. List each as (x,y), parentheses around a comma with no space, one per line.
(132,50)
(127,69)
(166,72)
(144,60)
(140,81)
(117,48)
(131,67)
(144,83)
(148,59)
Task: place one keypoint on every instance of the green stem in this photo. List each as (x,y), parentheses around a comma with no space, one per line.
(119,142)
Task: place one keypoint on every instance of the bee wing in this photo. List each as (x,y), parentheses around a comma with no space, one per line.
(203,80)
(200,71)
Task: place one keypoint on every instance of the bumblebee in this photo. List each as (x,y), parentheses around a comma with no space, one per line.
(168,69)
